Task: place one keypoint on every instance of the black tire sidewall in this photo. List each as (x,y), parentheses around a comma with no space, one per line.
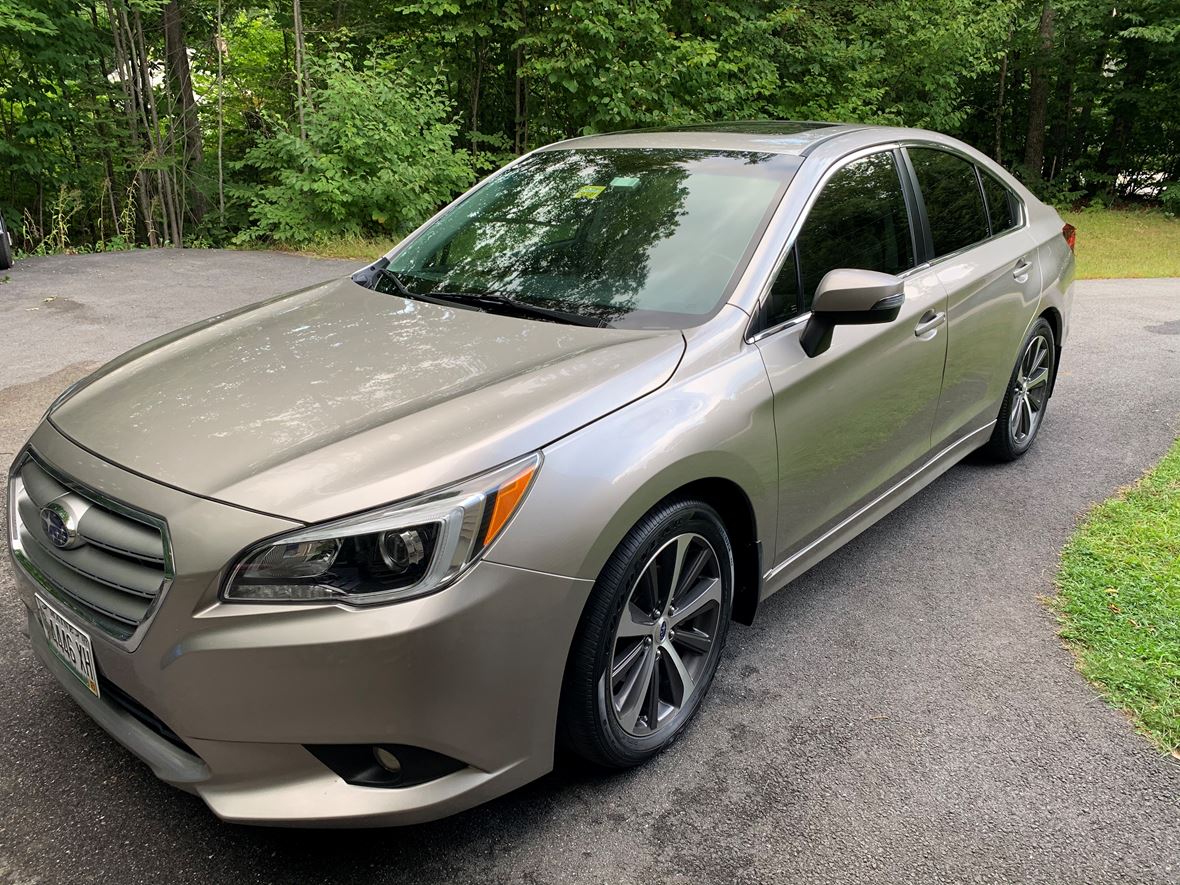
(5,247)
(614,746)
(1002,445)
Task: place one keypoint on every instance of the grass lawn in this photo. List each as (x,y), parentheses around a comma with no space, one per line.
(1111,243)
(361,248)
(1126,243)
(1119,601)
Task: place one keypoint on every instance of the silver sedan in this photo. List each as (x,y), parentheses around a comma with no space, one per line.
(369,552)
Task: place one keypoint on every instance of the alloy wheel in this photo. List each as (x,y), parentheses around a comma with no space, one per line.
(1030,391)
(666,635)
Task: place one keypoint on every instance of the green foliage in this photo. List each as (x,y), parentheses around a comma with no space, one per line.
(1170,199)
(1119,600)
(411,98)
(378,157)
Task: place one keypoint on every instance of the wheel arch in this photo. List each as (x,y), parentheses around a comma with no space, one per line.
(1056,321)
(734,507)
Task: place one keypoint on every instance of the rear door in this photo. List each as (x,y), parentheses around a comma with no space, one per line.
(856,416)
(986,260)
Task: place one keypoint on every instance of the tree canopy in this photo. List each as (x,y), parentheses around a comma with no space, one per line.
(210,121)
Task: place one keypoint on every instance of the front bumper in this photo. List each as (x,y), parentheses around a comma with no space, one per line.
(473,672)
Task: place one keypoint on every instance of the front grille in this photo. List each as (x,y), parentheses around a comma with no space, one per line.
(116,561)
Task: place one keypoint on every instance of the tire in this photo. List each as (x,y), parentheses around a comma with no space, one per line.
(1023,410)
(5,247)
(608,719)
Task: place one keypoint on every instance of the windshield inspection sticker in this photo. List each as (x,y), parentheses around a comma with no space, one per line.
(624,181)
(589,191)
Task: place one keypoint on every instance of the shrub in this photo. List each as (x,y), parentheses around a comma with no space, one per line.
(1170,199)
(377,159)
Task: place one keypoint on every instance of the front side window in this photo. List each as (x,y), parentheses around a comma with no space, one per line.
(1001,204)
(637,238)
(858,221)
(954,203)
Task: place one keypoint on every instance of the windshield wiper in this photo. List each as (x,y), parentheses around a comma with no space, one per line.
(369,276)
(500,304)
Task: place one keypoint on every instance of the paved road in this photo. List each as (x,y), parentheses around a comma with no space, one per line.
(902,713)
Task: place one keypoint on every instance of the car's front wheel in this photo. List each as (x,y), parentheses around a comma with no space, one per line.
(1023,409)
(650,638)
(5,246)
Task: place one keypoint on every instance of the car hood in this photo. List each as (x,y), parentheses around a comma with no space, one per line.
(338,398)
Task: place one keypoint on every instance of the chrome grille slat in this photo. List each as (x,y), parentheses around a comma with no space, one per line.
(39,485)
(115,567)
(90,562)
(111,602)
(120,535)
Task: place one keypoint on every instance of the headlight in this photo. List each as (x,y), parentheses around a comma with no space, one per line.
(397,552)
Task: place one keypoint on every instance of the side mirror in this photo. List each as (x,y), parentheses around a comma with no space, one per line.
(853,298)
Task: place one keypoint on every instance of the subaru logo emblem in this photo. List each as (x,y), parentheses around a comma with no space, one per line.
(59,525)
(663,630)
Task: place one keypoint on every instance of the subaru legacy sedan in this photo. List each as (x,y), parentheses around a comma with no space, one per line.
(375,551)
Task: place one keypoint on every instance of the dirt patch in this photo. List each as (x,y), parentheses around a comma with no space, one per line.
(22,405)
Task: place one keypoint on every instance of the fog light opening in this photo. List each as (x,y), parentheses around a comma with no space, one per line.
(388,761)
(384,765)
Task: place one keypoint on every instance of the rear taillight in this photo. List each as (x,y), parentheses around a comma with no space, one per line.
(1071,235)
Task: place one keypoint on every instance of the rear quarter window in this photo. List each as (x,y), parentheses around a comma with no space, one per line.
(954,201)
(1001,204)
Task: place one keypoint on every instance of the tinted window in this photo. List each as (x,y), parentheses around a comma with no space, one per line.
(784,294)
(1001,204)
(638,238)
(954,204)
(858,221)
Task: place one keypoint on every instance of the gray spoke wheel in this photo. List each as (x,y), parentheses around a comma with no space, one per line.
(1030,390)
(650,637)
(665,633)
(1027,395)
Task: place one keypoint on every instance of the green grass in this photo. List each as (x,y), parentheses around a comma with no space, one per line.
(360,248)
(1119,601)
(1115,243)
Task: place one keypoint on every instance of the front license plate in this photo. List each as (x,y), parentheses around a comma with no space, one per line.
(70,643)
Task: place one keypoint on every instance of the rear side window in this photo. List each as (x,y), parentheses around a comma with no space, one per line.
(954,203)
(1001,204)
(859,221)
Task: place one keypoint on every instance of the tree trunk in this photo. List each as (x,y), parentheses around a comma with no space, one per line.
(996,153)
(221,52)
(1038,96)
(180,82)
(480,50)
(127,80)
(297,15)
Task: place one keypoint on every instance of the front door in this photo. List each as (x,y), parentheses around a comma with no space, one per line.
(860,414)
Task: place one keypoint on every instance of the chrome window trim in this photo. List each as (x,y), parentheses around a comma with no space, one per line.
(836,166)
(61,595)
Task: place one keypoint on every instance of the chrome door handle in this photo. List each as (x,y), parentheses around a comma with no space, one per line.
(1021,269)
(927,327)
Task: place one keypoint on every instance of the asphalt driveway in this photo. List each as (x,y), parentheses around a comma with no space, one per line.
(901,713)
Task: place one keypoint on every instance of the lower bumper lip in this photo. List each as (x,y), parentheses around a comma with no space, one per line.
(473,673)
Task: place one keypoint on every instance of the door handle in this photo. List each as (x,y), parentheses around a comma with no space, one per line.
(1020,271)
(927,327)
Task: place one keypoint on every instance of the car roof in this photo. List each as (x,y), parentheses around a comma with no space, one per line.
(794,137)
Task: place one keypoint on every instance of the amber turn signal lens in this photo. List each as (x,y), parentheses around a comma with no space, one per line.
(1071,235)
(508,497)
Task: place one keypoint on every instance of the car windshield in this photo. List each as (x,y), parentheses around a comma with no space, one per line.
(633,238)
